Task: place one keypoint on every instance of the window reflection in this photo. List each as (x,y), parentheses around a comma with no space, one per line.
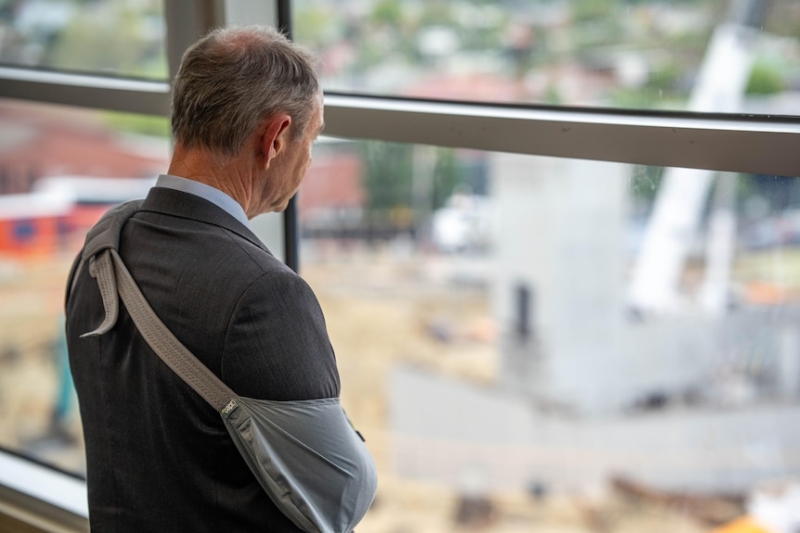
(493,353)
(60,169)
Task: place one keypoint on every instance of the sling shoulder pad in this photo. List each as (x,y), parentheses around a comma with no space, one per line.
(106,233)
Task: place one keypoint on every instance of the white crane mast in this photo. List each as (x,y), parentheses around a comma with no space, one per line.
(681,198)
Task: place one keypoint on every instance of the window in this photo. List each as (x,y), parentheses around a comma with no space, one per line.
(110,36)
(711,55)
(61,169)
(491,349)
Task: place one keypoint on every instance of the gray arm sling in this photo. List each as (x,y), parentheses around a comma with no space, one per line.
(305,454)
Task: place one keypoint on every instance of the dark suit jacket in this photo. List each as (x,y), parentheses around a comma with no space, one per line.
(158,457)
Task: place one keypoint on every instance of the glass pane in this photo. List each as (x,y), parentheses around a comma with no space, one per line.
(708,55)
(518,361)
(105,36)
(60,169)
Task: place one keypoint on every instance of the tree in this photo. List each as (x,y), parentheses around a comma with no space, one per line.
(387,175)
(765,79)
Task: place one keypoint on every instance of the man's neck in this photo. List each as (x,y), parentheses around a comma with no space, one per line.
(227,175)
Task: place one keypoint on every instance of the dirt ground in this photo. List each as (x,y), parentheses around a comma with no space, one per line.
(32,360)
(381,309)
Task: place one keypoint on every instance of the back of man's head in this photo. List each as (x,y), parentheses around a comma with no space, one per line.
(232,79)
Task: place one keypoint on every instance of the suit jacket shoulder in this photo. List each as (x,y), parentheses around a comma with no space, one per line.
(263,320)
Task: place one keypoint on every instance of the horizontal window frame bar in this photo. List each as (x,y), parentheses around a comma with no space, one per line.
(731,143)
(35,514)
(39,494)
(84,90)
(735,143)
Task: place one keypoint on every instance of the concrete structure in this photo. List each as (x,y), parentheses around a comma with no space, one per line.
(559,237)
(448,431)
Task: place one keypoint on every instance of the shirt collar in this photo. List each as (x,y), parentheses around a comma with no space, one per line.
(206,192)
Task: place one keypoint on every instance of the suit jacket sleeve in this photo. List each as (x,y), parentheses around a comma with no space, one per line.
(277,346)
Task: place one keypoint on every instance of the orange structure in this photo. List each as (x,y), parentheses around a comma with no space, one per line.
(39,226)
(31,238)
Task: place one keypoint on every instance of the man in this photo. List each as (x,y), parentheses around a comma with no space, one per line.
(247,107)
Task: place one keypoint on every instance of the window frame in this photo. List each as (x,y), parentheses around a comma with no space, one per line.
(729,143)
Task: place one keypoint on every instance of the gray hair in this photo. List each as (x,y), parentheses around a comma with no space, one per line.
(233,78)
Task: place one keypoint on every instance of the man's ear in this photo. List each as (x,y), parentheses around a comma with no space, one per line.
(274,136)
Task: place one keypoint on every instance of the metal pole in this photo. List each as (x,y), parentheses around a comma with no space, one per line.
(285,17)
(291,233)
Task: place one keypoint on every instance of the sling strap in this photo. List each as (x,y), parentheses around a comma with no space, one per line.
(113,277)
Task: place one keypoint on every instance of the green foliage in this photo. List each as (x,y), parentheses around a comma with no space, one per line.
(663,88)
(437,12)
(484,38)
(634,98)
(645,181)
(765,79)
(448,175)
(140,124)
(552,96)
(746,187)
(387,174)
(313,25)
(592,9)
(664,78)
(387,12)
(108,38)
